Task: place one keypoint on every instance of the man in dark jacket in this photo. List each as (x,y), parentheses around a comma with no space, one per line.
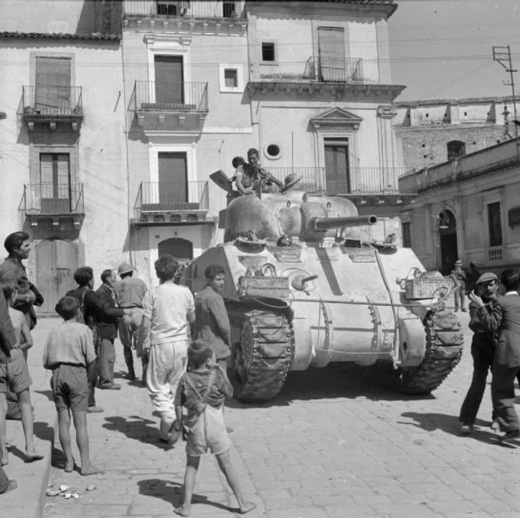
(505,317)
(18,245)
(211,318)
(89,305)
(482,350)
(107,323)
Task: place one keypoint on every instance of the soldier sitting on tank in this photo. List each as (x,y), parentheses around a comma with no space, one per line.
(251,178)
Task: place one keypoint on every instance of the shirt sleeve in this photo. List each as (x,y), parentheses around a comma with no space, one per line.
(218,308)
(190,302)
(148,304)
(90,352)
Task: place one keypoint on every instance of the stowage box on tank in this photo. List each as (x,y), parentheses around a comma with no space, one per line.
(305,285)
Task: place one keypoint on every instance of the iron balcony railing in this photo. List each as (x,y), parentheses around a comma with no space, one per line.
(161,197)
(49,199)
(177,96)
(323,69)
(357,180)
(52,100)
(185,8)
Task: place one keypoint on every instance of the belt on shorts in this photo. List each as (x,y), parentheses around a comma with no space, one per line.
(69,364)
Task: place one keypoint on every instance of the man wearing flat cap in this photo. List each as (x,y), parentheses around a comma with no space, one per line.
(482,350)
(129,295)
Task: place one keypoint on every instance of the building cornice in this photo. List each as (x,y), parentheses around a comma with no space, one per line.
(313,88)
(60,36)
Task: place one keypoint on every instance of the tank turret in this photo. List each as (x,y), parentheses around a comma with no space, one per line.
(295,214)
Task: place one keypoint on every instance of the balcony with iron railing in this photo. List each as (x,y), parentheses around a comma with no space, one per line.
(209,14)
(52,105)
(357,180)
(321,69)
(177,105)
(55,202)
(160,203)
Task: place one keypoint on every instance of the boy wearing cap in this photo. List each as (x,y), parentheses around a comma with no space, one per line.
(459,277)
(130,293)
(482,350)
(202,391)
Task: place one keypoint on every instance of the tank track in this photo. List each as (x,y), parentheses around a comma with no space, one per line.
(444,346)
(262,359)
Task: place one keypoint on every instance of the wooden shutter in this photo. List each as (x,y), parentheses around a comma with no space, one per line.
(53,84)
(173,181)
(169,78)
(331,44)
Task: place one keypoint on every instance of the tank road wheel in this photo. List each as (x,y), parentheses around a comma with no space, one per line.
(444,345)
(261,359)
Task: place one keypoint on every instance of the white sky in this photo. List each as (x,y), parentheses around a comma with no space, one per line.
(442,49)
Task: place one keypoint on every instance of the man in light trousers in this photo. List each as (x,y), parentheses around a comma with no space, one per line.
(168,312)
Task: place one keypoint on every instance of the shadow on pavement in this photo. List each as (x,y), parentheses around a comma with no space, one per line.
(449,424)
(137,428)
(172,492)
(334,381)
(46,393)
(43,431)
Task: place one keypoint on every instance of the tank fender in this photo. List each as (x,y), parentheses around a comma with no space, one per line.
(412,340)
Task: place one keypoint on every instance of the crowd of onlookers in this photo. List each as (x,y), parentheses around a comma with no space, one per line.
(182,340)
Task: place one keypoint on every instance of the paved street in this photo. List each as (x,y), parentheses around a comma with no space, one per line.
(327,446)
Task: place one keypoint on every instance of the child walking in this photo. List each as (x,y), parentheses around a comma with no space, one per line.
(202,391)
(69,353)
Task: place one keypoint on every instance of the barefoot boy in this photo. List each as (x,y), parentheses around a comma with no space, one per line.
(69,353)
(202,391)
(14,376)
(20,326)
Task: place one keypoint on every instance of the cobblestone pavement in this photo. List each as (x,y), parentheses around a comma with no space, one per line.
(328,446)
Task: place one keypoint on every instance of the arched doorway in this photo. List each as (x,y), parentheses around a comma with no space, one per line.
(56,262)
(448,240)
(182,249)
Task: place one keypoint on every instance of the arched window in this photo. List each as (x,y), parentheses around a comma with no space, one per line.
(456,149)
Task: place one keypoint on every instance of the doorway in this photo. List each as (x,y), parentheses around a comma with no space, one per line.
(337,170)
(173,179)
(169,80)
(181,249)
(448,241)
(56,262)
(55,188)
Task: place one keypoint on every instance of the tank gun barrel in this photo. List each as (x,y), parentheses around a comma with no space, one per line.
(321,224)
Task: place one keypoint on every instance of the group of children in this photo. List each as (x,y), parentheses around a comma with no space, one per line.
(70,354)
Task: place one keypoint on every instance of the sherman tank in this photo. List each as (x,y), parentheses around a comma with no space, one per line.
(307,286)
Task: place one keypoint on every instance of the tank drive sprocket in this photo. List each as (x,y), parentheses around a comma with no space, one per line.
(262,357)
(444,348)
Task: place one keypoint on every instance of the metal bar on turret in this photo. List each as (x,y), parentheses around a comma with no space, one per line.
(320,224)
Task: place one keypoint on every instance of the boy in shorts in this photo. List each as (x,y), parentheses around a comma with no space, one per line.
(20,326)
(14,377)
(202,391)
(69,353)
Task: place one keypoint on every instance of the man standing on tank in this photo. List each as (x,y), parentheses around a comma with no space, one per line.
(211,318)
(482,350)
(18,246)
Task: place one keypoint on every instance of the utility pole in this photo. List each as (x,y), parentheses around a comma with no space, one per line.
(502,54)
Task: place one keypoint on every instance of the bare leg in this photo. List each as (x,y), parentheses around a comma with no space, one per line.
(64,433)
(3,414)
(24,401)
(192,465)
(224,462)
(80,423)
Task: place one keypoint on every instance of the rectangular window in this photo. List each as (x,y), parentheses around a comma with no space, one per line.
(268,51)
(331,50)
(53,84)
(494,224)
(231,77)
(407,234)
(55,187)
(229,9)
